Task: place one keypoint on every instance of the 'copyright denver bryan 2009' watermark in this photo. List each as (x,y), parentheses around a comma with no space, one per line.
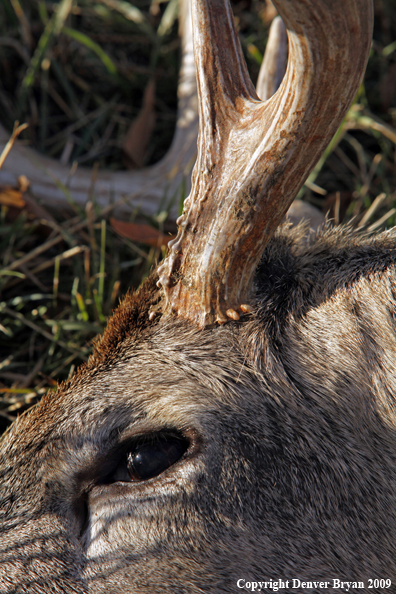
(295,584)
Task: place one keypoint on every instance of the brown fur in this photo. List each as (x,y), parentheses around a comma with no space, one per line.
(129,320)
(291,415)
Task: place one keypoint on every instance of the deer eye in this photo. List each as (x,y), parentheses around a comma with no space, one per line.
(150,457)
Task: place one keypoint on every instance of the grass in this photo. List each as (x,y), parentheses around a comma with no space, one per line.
(76,72)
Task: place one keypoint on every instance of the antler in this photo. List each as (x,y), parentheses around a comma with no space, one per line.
(273,66)
(254,156)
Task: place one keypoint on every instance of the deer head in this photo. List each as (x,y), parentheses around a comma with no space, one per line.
(191,456)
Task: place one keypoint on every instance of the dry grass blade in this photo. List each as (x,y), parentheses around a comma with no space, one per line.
(15,133)
(382,220)
(371,211)
(367,121)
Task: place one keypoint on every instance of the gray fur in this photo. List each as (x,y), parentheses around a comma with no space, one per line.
(291,413)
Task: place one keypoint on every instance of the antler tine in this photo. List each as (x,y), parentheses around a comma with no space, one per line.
(254,156)
(273,66)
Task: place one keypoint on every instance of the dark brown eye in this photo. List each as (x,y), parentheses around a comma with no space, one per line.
(151,459)
(148,457)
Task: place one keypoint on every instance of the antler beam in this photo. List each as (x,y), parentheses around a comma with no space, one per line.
(254,156)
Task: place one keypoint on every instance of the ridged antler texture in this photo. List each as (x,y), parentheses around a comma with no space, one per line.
(254,156)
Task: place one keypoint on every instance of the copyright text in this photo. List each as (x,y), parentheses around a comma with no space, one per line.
(296,584)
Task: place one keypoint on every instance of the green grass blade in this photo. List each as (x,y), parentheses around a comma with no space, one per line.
(51,30)
(93,47)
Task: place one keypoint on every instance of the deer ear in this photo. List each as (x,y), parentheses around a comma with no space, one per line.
(254,156)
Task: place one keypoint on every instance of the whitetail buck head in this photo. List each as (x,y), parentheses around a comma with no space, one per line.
(188,455)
